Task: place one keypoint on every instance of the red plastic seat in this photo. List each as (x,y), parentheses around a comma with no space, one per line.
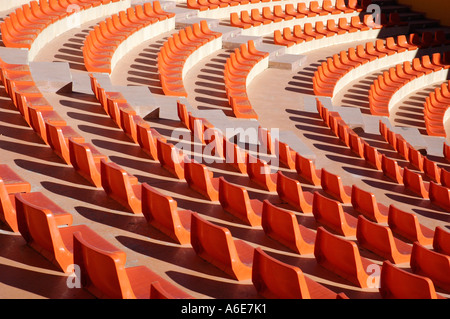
(282,225)
(333,186)
(171,158)
(58,139)
(441,240)
(38,220)
(379,239)
(431,264)
(341,256)
(274,279)
(85,159)
(439,196)
(162,213)
(216,245)
(407,225)
(414,182)
(201,180)
(330,213)
(147,138)
(235,156)
(365,202)
(397,283)
(120,186)
(260,172)
(286,155)
(236,201)
(392,169)
(290,191)
(306,169)
(105,275)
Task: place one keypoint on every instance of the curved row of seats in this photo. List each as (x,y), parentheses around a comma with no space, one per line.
(113,38)
(341,69)
(434,109)
(267,20)
(438,195)
(403,79)
(34,25)
(327,33)
(240,69)
(181,52)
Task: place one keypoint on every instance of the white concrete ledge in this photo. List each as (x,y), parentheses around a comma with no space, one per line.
(140,36)
(75,20)
(201,53)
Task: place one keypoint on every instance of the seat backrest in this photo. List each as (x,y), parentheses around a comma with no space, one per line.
(275,279)
(366,203)
(397,283)
(102,269)
(170,158)
(340,256)
(199,178)
(441,240)
(332,185)
(7,208)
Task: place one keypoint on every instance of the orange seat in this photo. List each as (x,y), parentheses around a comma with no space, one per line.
(162,213)
(236,201)
(439,196)
(235,156)
(85,159)
(392,169)
(201,180)
(397,283)
(365,202)
(282,225)
(216,245)
(407,225)
(341,257)
(414,182)
(332,185)
(380,240)
(38,219)
(10,184)
(431,264)
(372,156)
(290,191)
(441,240)
(171,158)
(330,213)
(147,139)
(286,155)
(58,139)
(306,169)
(120,186)
(105,275)
(274,279)
(260,172)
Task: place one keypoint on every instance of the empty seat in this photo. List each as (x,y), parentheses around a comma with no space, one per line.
(306,169)
(171,158)
(85,159)
(333,186)
(439,195)
(407,225)
(397,283)
(147,138)
(441,240)
(201,180)
(120,186)
(392,169)
(282,225)
(365,202)
(260,172)
(105,275)
(341,257)
(38,220)
(162,213)
(431,264)
(414,182)
(58,139)
(290,191)
(380,240)
(274,279)
(236,201)
(330,213)
(216,245)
